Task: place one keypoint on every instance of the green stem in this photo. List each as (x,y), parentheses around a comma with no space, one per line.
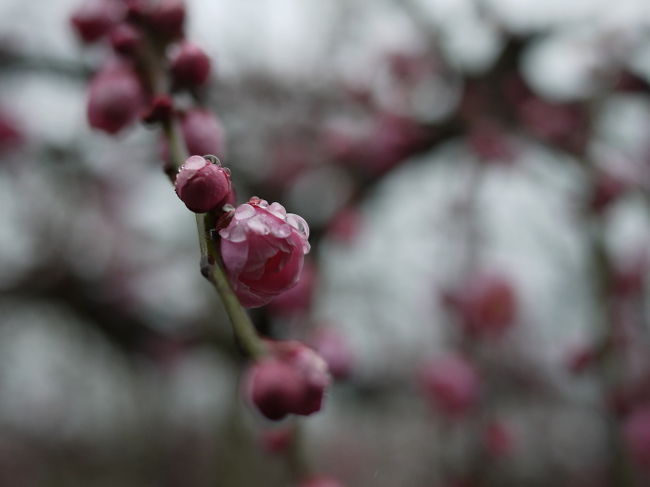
(213,270)
(211,266)
(241,323)
(176,147)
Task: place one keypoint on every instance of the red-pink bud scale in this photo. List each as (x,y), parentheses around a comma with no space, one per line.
(263,249)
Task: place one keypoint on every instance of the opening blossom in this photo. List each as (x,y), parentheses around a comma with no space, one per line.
(263,250)
(298,299)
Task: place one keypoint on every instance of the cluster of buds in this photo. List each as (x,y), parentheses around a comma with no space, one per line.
(127,87)
(263,249)
(95,20)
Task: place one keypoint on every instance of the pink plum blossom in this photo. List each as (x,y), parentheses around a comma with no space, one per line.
(298,299)
(263,249)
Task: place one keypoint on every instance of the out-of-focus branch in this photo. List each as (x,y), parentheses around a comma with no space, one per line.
(14,61)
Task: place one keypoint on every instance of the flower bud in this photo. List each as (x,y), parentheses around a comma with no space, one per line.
(168,18)
(275,388)
(124,39)
(320,481)
(202,185)
(115,98)
(313,371)
(203,133)
(160,109)
(137,11)
(263,249)
(292,380)
(487,305)
(190,65)
(94,19)
(451,384)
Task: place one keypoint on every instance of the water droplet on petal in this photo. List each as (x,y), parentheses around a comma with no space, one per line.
(237,234)
(278,210)
(298,223)
(282,231)
(244,211)
(259,226)
(194,163)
